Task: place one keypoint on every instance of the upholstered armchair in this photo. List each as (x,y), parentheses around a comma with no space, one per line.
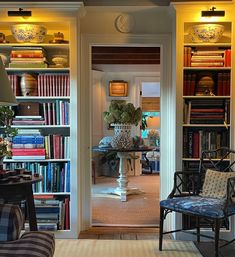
(31,244)
(206,194)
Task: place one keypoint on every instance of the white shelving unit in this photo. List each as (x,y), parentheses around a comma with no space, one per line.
(64,18)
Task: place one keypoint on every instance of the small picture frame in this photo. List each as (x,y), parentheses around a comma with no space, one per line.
(118,88)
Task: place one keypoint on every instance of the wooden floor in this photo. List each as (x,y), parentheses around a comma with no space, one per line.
(125,233)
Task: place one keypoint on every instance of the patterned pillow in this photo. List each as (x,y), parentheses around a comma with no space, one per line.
(215,184)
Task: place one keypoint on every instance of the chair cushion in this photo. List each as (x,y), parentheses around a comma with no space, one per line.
(215,184)
(31,244)
(197,205)
(11,222)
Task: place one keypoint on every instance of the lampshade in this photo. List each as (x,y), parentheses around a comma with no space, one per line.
(118,88)
(153,122)
(6,94)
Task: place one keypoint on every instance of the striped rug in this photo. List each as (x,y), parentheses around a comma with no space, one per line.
(123,248)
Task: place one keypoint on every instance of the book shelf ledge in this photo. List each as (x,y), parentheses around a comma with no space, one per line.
(220,44)
(36,160)
(42,97)
(39,69)
(41,126)
(207,68)
(45,45)
(206,96)
(54,193)
(198,159)
(205,125)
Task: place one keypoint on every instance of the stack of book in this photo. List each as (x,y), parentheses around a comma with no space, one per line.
(28,57)
(202,111)
(52,213)
(28,145)
(207,57)
(28,120)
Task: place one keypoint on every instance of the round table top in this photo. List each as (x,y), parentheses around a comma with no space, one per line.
(132,149)
(21,181)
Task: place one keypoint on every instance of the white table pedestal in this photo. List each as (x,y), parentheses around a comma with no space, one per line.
(123,190)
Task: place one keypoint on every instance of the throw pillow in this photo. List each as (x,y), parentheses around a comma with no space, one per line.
(215,184)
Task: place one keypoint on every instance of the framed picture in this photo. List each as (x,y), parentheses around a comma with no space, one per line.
(118,88)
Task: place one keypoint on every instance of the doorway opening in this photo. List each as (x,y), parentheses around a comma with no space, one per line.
(139,66)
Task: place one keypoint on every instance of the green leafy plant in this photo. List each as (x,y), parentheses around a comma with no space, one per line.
(120,112)
(6,131)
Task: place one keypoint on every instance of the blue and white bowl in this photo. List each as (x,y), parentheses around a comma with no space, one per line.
(28,33)
(210,33)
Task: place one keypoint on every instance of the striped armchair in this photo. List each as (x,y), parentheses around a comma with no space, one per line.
(30,244)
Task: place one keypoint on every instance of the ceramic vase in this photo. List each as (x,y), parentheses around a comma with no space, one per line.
(28,85)
(122,136)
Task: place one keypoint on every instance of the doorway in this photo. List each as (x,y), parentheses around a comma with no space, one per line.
(168,125)
(131,64)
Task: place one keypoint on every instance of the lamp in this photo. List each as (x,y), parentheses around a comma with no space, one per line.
(153,122)
(212,13)
(6,94)
(21,13)
(118,88)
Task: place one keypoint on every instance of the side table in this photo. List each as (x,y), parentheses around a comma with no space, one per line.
(21,190)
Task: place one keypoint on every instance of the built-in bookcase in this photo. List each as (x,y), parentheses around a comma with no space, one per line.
(206,94)
(43,144)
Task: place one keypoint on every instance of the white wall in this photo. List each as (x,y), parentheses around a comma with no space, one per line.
(148,19)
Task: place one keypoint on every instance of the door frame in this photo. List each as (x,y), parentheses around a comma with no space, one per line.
(168,107)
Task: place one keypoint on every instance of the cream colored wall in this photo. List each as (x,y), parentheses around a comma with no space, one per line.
(148,19)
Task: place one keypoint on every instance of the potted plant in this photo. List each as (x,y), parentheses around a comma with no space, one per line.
(6,131)
(122,115)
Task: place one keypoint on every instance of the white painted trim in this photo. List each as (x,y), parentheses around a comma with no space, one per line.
(167,107)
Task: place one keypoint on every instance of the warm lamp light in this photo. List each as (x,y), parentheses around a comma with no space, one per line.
(6,94)
(212,13)
(118,88)
(153,122)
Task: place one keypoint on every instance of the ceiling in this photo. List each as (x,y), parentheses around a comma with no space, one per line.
(138,2)
(123,2)
(125,55)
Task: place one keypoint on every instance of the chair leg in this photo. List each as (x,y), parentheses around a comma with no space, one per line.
(161,228)
(198,229)
(217,231)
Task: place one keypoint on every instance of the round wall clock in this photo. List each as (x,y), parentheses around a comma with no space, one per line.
(125,23)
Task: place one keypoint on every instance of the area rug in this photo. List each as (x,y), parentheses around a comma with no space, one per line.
(124,248)
(139,210)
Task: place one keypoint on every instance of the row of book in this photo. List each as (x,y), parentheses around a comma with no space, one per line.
(56,175)
(48,84)
(204,57)
(28,57)
(56,113)
(204,111)
(52,213)
(195,141)
(30,144)
(220,81)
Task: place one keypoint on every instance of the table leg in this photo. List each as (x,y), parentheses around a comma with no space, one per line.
(31,208)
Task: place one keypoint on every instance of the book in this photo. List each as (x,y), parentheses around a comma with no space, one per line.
(28,65)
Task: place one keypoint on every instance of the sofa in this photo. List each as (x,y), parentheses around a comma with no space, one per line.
(14,243)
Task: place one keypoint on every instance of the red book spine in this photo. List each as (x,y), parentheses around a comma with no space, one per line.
(26,152)
(196,145)
(220,84)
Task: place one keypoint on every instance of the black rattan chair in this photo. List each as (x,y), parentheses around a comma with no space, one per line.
(195,195)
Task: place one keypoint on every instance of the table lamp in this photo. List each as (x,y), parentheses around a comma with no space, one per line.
(6,94)
(153,122)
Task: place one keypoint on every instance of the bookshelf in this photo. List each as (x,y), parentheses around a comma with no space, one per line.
(204,91)
(57,90)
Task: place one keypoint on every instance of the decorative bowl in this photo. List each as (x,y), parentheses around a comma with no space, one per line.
(60,60)
(210,33)
(28,33)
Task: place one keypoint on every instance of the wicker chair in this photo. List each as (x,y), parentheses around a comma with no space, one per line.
(30,244)
(206,194)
